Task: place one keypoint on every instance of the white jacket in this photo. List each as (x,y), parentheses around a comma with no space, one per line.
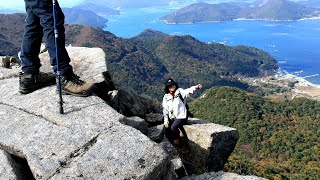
(173,107)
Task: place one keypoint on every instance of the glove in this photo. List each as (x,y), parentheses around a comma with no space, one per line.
(166,122)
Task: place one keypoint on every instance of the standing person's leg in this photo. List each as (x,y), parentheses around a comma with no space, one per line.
(175,129)
(31,43)
(70,83)
(44,10)
(30,78)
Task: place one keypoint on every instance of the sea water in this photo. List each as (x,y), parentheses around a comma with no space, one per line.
(294,44)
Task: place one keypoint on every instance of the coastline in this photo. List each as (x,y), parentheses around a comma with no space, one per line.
(283,85)
(284,75)
(240,19)
(301,87)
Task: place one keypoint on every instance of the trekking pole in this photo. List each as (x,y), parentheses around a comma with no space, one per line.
(57,54)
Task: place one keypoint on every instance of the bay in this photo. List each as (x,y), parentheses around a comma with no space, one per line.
(294,44)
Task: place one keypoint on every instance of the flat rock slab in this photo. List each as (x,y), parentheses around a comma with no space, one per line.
(118,154)
(32,128)
(88,140)
(90,113)
(6,73)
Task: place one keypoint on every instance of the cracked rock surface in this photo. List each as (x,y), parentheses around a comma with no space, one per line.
(87,142)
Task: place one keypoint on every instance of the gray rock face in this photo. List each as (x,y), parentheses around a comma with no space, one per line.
(156,133)
(154,118)
(88,63)
(9,67)
(7,170)
(221,176)
(209,146)
(9,73)
(118,154)
(176,162)
(12,167)
(89,132)
(131,104)
(137,123)
(88,141)
(7,61)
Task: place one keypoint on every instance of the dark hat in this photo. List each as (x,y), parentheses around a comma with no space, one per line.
(170,82)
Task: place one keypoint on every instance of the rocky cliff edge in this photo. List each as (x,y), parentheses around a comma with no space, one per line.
(96,138)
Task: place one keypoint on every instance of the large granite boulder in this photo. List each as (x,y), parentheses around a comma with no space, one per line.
(91,140)
(87,141)
(176,161)
(88,63)
(154,118)
(120,153)
(7,166)
(137,123)
(208,145)
(156,133)
(129,103)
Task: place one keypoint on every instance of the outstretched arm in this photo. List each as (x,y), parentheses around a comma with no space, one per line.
(186,92)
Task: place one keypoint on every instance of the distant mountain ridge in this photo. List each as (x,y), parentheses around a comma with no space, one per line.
(262,10)
(128,4)
(121,4)
(310,3)
(84,17)
(100,9)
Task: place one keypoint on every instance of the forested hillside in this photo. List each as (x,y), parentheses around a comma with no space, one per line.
(11,31)
(190,61)
(145,61)
(278,139)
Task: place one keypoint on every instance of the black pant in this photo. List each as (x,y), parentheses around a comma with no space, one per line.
(39,23)
(176,125)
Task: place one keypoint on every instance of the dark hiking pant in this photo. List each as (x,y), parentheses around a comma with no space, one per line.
(176,125)
(39,23)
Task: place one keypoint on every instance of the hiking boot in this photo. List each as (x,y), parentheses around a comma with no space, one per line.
(176,142)
(73,85)
(31,82)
